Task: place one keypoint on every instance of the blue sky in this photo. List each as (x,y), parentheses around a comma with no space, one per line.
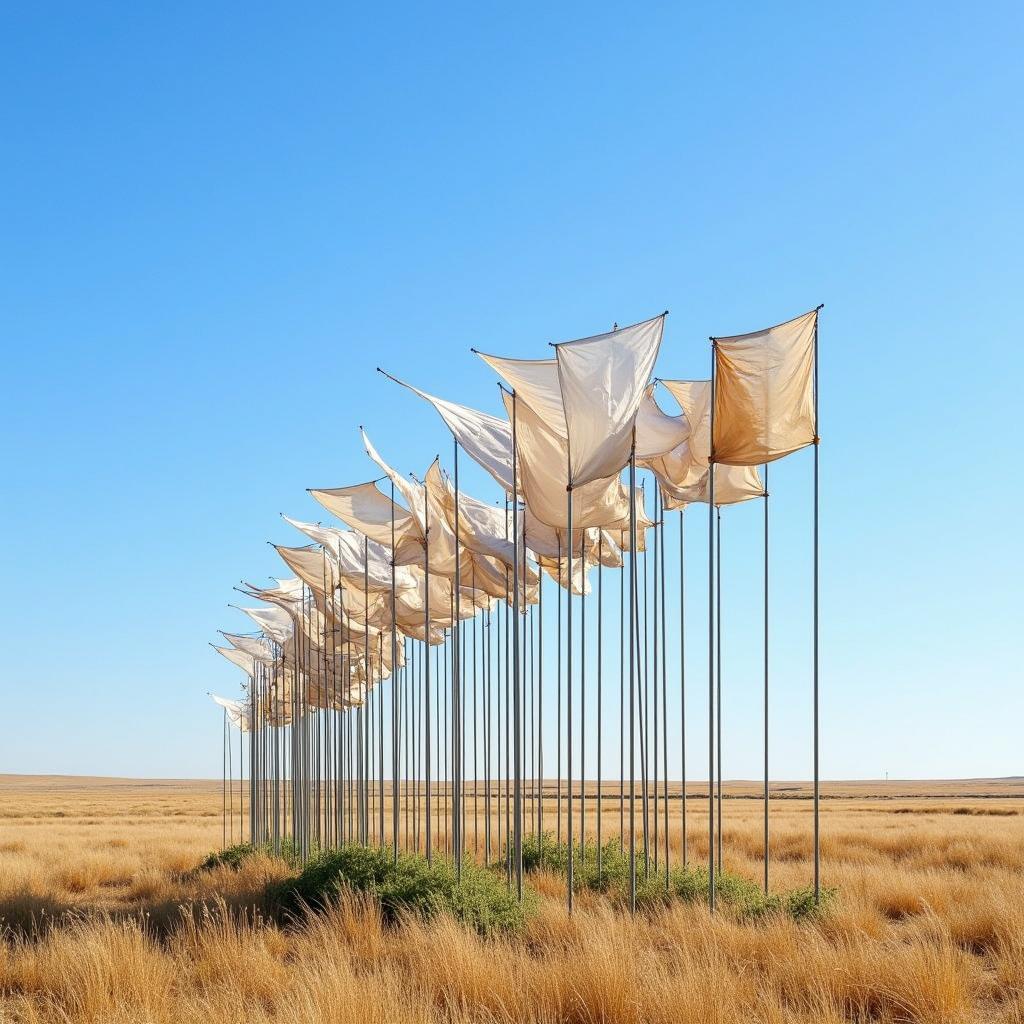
(218,220)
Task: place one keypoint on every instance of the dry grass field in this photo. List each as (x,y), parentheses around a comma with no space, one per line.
(104,921)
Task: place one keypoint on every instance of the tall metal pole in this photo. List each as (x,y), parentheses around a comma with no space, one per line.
(817,795)
(718,658)
(600,659)
(711,647)
(569,680)
(394,697)
(682,674)
(766,677)
(632,677)
(558,717)
(517,725)
(457,691)
(426,669)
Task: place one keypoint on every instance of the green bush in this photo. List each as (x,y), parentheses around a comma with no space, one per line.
(232,857)
(480,899)
(687,885)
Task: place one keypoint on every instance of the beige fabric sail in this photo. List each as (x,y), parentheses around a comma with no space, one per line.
(535,382)
(733,484)
(357,560)
(365,509)
(657,433)
(694,398)
(255,646)
(543,477)
(313,566)
(603,380)
(764,393)
(411,493)
(484,438)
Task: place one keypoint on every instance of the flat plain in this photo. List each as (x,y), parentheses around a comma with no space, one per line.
(104,919)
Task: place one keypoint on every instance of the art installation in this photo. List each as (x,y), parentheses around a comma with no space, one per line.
(395,691)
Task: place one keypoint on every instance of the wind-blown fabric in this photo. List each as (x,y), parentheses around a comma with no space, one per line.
(484,438)
(657,433)
(764,393)
(364,508)
(246,662)
(733,484)
(251,645)
(602,381)
(543,476)
(238,713)
(273,620)
(535,382)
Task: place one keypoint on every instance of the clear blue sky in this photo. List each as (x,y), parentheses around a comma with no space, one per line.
(217,220)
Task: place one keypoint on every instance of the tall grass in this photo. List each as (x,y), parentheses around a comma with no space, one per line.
(929,927)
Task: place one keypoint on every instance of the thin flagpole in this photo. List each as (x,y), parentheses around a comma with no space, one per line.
(632,677)
(568,676)
(395,809)
(558,727)
(457,720)
(711,649)
(426,672)
(517,724)
(600,594)
(766,794)
(817,795)
(718,658)
(682,673)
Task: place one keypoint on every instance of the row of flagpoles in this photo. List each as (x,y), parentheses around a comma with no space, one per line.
(340,676)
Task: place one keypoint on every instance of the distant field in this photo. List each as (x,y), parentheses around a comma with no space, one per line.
(104,920)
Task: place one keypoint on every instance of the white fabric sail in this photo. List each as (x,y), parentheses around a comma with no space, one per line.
(603,380)
(764,393)
(246,662)
(484,438)
(237,713)
(273,620)
(255,646)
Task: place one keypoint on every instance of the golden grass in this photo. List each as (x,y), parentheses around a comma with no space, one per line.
(105,923)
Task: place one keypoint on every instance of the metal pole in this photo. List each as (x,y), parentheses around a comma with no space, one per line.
(457,690)
(632,677)
(766,794)
(395,810)
(568,676)
(517,724)
(426,668)
(711,649)
(817,786)
(718,658)
(600,659)
(682,675)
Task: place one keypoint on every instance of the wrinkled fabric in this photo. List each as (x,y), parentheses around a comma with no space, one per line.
(484,438)
(237,713)
(543,477)
(764,393)
(603,380)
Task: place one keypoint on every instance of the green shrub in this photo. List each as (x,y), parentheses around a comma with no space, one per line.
(688,885)
(480,899)
(232,857)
